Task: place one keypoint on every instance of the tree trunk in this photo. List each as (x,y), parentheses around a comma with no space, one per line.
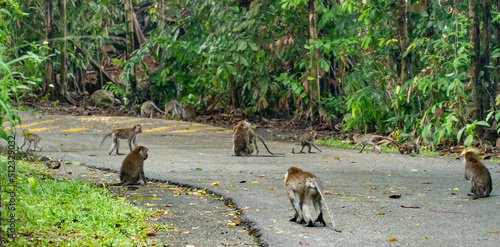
(496,62)
(476,110)
(486,57)
(401,26)
(314,73)
(63,84)
(130,41)
(49,37)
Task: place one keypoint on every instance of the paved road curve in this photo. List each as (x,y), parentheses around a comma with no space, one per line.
(358,185)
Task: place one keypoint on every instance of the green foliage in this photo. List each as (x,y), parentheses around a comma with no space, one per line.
(69,212)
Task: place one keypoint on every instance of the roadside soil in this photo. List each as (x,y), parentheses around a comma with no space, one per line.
(192,217)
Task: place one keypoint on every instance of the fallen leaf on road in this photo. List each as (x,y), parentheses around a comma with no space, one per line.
(255,182)
(251,233)
(405,206)
(168,205)
(395,196)
(245,189)
(302,243)
(497,232)
(215,184)
(194,228)
(262,176)
(242,182)
(149,204)
(381,213)
(337,158)
(182,233)
(229,244)
(151,234)
(389,175)
(120,198)
(393,239)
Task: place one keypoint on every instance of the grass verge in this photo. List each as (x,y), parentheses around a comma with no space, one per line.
(66,212)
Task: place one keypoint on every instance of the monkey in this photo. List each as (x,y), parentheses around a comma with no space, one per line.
(478,174)
(175,107)
(148,109)
(132,169)
(368,139)
(31,137)
(188,113)
(308,140)
(303,189)
(408,148)
(49,165)
(241,138)
(128,133)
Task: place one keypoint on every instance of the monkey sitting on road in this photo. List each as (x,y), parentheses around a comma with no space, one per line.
(308,140)
(408,148)
(132,170)
(129,134)
(148,109)
(478,174)
(368,139)
(241,138)
(303,189)
(188,112)
(31,137)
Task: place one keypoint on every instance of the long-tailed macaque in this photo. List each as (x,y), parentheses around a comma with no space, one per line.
(408,148)
(129,133)
(148,109)
(308,140)
(189,113)
(175,107)
(305,191)
(132,170)
(241,138)
(31,137)
(478,174)
(368,139)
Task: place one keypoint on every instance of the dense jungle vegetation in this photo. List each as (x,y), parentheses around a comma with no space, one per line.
(426,69)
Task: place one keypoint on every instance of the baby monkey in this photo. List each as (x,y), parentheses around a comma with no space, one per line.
(479,174)
(305,191)
(408,148)
(241,138)
(30,137)
(368,139)
(307,140)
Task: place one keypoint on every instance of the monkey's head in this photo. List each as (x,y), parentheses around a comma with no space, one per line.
(294,169)
(26,132)
(402,149)
(138,128)
(142,151)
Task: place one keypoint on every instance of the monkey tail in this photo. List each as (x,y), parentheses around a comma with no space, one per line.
(294,147)
(264,145)
(106,136)
(319,188)
(154,105)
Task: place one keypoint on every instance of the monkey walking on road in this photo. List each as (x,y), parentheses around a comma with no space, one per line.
(148,109)
(307,140)
(31,137)
(368,139)
(408,148)
(129,133)
(305,191)
(243,136)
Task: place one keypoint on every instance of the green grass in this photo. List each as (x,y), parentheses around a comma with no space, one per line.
(350,144)
(69,212)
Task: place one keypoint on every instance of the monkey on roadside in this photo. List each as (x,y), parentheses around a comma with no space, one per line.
(308,140)
(241,138)
(31,137)
(129,133)
(478,174)
(175,107)
(188,112)
(132,169)
(368,139)
(305,191)
(148,109)
(408,148)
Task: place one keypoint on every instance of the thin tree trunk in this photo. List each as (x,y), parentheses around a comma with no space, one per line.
(486,55)
(49,37)
(403,39)
(314,86)
(496,63)
(476,110)
(63,86)
(130,41)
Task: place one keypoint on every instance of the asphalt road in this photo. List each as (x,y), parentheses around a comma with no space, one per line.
(433,210)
